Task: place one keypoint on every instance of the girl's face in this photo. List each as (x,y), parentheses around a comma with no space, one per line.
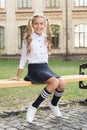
(38,25)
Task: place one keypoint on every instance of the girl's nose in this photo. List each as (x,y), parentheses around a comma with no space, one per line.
(39,25)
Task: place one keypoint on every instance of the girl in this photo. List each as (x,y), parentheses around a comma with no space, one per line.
(36,47)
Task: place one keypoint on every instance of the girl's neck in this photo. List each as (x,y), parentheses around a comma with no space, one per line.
(38,34)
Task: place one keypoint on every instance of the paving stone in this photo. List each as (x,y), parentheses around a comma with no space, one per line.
(2,129)
(11,128)
(74,118)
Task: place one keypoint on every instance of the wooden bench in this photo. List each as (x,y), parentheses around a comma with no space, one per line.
(5,83)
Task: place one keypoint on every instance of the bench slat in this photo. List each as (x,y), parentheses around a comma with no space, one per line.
(74,78)
(5,83)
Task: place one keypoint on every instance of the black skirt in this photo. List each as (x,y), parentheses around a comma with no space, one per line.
(39,73)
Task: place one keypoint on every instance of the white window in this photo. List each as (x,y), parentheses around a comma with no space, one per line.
(81,35)
(24,3)
(52,3)
(2,38)
(2,3)
(80,2)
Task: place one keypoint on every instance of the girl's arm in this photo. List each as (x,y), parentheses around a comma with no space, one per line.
(22,63)
(18,75)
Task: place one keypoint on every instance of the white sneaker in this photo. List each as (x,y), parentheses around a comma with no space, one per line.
(30,113)
(55,110)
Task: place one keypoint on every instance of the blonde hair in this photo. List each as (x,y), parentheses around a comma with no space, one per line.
(28,32)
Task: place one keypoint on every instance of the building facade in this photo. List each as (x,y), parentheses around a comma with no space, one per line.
(68,20)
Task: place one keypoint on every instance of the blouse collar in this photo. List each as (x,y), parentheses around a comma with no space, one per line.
(34,35)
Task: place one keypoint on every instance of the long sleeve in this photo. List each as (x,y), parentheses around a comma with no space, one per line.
(23,58)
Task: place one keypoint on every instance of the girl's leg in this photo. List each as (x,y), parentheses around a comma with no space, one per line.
(57,95)
(58,92)
(52,84)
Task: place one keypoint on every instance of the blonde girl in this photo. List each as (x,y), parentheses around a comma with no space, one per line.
(35,50)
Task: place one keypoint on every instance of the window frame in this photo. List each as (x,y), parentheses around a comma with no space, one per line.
(21,4)
(2,37)
(51,4)
(21,30)
(80,35)
(78,4)
(2,4)
(55,36)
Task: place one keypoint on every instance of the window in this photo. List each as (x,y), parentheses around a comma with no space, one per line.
(21,31)
(2,37)
(2,3)
(52,3)
(80,2)
(81,35)
(55,35)
(24,3)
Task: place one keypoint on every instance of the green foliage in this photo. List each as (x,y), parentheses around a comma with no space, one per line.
(55,29)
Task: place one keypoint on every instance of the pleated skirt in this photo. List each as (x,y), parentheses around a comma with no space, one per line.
(39,73)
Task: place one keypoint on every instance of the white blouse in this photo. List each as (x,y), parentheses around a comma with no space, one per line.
(39,51)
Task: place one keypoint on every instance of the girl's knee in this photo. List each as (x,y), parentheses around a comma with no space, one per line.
(62,84)
(54,82)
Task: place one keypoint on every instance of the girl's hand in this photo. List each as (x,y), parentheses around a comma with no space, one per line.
(15,78)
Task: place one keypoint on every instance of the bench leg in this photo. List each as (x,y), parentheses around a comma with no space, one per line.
(82,85)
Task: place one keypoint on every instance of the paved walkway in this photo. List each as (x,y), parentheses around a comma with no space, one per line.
(74,118)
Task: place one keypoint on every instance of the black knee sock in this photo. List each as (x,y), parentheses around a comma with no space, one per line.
(56,97)
(44,94)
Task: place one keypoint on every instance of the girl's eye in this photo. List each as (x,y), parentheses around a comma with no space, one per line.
(39,23)
(42,23)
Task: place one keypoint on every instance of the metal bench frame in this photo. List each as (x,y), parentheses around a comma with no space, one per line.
(82,85)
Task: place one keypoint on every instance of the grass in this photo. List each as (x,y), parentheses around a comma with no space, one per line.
(16,98)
